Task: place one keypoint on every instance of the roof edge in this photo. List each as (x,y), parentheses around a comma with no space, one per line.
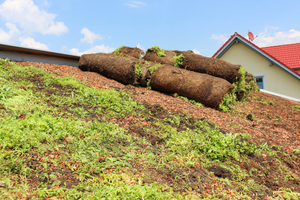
(280,95)
(224,45)
(37,51)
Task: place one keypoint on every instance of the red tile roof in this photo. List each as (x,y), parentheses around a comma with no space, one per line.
(288,54)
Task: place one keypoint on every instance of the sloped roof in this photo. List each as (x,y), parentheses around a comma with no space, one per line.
(238,38)
(288,54)
(6,47)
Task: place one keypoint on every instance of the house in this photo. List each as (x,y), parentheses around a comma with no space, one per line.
(276,69)
(16,53)
(288,54)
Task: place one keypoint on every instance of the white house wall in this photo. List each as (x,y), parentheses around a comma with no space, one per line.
(276,79)
(19,56)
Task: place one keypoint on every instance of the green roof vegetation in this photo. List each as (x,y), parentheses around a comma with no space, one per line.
(62,138)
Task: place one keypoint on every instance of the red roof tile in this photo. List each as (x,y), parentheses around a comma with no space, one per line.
(288,54)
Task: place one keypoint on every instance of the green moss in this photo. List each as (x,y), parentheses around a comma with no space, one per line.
(179,60)
(147,63)
(148,85)
(189,100)
(117,52)
(241,86)
(296,151)
(297,107)
(152,69)
(160,52)
(228,100)
(138,71)
(241,89)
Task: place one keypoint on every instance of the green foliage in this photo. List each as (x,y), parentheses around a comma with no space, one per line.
(117,52)
(241,87)
(5,92)
(151,70)
(148,85)
(297,107)
(6,60)
(138,71)
(239,174)
(264,102)
(179,60)
(114,187)
(160,52)
(219,146)
(296,151)
(209,141)
(189,100)
(228,100)
(52,126)
(287,193)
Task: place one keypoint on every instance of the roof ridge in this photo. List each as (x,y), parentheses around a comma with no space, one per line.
(298,43)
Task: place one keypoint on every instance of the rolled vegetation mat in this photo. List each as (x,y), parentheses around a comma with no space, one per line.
(211,66)
(143,71)
(121,69)
(204,88)
(237,75)
(128,51)
(156,54)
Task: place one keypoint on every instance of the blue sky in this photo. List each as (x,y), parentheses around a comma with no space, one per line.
(90,26)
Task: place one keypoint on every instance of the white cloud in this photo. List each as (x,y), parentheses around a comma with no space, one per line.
(89,36)
(294,34)
(196,51)
(64,49)
(95,49)
(30,18)
(46,3)
(31,43)
(132,5)
(270,38)
(140,47)
(220,38)
(136,4)
(10,36)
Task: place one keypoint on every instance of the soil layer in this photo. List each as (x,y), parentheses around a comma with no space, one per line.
(110,65)
(212,66)
(132,52)
(203,88)
(151,55)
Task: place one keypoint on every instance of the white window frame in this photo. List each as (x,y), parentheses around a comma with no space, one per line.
(263,78)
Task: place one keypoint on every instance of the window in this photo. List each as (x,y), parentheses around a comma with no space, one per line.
(260,80)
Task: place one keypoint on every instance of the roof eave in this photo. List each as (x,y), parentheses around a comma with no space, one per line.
(37,51)
(227,45)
